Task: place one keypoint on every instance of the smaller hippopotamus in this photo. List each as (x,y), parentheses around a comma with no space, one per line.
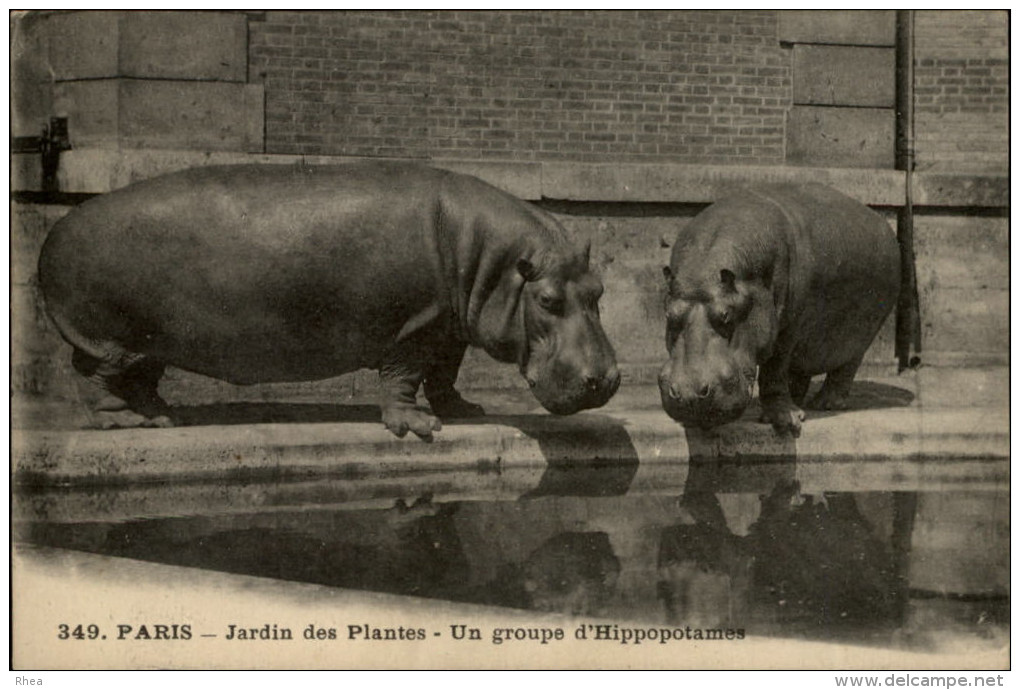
(794,280)
(256,274)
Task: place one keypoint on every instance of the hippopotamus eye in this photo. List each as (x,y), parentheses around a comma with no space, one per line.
(551,303)
(723,322)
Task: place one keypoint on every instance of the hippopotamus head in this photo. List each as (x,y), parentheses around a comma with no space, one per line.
(563,352)
(719,326)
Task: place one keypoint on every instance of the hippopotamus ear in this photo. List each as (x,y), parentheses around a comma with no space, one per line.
(527,269)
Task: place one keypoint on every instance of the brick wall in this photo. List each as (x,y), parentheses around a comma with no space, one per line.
(962,91)
(519,85)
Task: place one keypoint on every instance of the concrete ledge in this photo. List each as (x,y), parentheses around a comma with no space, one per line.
(944,189)
(654,182)
(96,171)
(101,170)
(902,436)
(924,431)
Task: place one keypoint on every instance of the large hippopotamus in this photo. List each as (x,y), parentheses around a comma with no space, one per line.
(255,274)
(795,280)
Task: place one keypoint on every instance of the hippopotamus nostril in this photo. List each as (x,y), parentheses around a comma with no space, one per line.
(704,391)
(612,380)
(674,391)
(613,374)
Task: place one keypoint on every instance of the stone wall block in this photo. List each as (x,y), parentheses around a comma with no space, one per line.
(844,75)
(31,94)
(92,109)
(841,137)
(149,45)
(846,27)
(184,115)
(184,45)
(84,45)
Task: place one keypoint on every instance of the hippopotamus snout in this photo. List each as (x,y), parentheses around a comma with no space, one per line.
(566,390)
(704,398)
(599,389)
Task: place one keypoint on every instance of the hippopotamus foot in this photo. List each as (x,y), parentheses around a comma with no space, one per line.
(836,391)
(401,375)
(121,393)
(452,406)
(776,386)
(402,517)
(137,408)
(828,399)
(443,398)
(400,417)
(126,419)
(784,416)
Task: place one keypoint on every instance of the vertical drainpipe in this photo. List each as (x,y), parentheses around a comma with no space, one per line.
(908,320)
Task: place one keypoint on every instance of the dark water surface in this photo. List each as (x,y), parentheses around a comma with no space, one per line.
(924,569)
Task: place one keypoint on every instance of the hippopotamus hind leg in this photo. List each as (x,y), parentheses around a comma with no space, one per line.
(836,389)
(443,398)
(120,389)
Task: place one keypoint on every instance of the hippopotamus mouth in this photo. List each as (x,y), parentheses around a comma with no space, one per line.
(691,413)
(709,407)
(592,392)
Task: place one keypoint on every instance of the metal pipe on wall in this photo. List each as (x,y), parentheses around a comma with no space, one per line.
(908,317)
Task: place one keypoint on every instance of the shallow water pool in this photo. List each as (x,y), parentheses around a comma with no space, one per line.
(763,549)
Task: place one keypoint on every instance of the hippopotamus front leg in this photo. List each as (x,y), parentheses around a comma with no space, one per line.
(444,399)
(401,374)
(777,405)
(799,384)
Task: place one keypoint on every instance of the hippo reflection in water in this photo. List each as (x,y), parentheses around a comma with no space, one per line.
(806,559)
(255,274)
